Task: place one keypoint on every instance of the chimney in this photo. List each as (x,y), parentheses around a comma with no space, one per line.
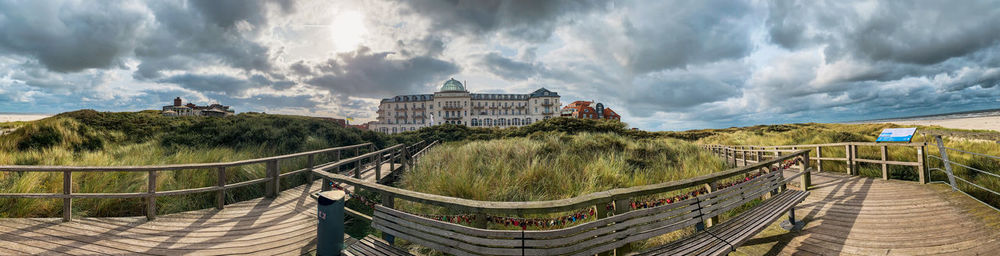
(177,102)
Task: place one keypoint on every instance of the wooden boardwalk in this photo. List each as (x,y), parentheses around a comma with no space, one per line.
(282,226)
(851,215)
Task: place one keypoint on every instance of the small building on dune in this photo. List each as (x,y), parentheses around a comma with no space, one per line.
(190,109)
(583,109)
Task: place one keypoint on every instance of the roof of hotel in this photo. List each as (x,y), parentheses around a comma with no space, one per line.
(453,86)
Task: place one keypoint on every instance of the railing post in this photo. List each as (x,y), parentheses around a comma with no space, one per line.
(885,167)
(407,160)
(850,159)
(819,159)
(67,190)
(392,160)
(220,196)
(921,165)
(714,220)
(271,186)
(743,151)
(357,173)
(806,178)
(310,162)
(946,162)
(151,196)
(378,167)
(388,201)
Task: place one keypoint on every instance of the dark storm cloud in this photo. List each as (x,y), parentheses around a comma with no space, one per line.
(677,91)
(529,20)
(204,33)
(70,36)
(228,85)
(504,67)
(365,73)
(920,32)
(675,34)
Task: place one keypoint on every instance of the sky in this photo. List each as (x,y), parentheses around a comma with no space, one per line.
(662,65)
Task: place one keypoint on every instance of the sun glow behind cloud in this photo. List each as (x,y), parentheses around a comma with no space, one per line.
(348,30)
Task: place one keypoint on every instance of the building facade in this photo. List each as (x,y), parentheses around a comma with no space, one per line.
(454,104)
(177,109)
(583,109)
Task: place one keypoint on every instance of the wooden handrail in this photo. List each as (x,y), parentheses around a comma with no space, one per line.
(272,178)
(550,206)
(851,158)
(146,168)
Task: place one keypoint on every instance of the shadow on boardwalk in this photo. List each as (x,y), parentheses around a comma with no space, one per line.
(863,216)
(282,226)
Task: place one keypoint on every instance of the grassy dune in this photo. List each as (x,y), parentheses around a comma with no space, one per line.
(554,166)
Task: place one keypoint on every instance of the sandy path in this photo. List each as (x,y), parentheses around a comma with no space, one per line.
(972,123)
(20,117)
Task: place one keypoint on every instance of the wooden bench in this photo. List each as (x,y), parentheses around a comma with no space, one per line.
(372,246)
(606,234)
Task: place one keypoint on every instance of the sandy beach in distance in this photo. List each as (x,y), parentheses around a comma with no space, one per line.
(21,117)
(972,123)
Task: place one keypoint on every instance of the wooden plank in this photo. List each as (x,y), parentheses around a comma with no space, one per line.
(885,162)
(384,247)
(382,217)
(421,241)
(534,234)
(687,246)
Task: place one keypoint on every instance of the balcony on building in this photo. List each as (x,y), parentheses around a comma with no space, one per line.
(400,108)
(547,103)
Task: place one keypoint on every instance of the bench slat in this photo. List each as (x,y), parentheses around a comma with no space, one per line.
(750,195)
(384,217)
(421,241)
(747,222)
(761,183)
(737,230)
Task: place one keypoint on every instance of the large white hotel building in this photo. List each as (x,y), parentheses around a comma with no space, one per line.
(455,105)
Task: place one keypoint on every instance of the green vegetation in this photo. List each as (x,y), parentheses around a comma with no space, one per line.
(548,166)
(90,138)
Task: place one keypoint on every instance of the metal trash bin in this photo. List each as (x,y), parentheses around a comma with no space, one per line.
(330,230)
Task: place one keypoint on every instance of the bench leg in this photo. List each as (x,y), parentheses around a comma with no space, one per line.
(791,216)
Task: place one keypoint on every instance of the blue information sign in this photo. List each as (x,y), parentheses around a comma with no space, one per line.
(896,135)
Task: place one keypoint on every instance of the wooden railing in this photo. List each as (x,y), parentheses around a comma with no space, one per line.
(620,198)
(748,153)
(271,180)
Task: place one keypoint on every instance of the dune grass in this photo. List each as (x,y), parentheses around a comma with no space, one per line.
(554,166)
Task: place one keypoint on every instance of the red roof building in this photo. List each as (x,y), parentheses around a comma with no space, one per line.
(582,109)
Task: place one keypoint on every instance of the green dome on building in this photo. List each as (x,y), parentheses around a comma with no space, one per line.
(453,86)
